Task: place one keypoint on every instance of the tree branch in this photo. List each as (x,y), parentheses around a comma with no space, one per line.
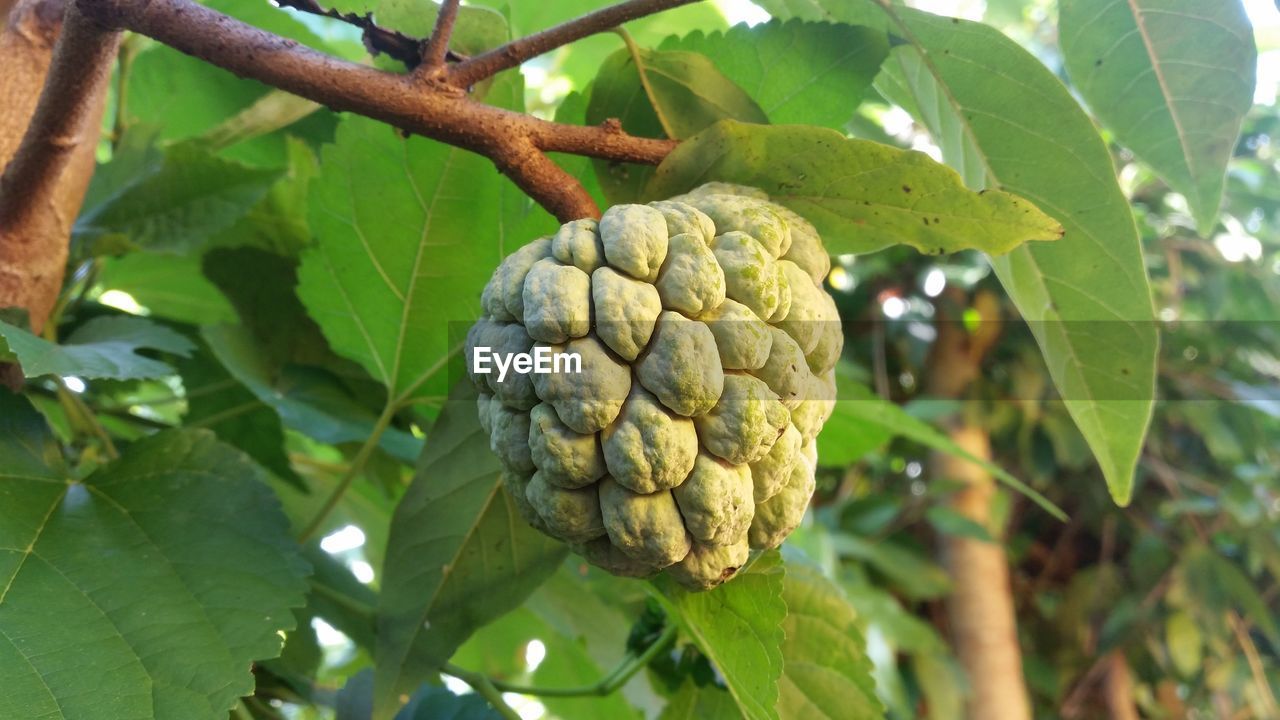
(64,116)
(470,72)
(436,111)
(44,183)
(437,46)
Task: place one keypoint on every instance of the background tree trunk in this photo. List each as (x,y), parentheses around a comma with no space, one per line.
(980,607)
(33,253)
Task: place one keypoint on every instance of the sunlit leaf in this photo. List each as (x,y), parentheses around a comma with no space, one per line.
(1172,79)
(103,348)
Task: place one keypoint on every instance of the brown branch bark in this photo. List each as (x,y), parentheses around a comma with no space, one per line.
(980,607)
(436,111)
(47,146)
(488,64)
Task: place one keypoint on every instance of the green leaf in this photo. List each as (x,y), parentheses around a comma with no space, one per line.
(692,702)
(103,348)
(739,626)
(143,591)
(798,72)
(407,233)
(308,399)
(1085,297)
(459,556)
(168,286)
(174,201)
(826,672)
(431,702)
(861,196)
(660,94)
(1172,79)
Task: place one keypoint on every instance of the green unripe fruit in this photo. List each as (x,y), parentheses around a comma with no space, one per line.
(707,348)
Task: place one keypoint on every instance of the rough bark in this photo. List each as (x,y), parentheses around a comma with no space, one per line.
(47,173)
(980,607)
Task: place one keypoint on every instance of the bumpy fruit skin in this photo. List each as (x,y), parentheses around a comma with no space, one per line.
(708,347)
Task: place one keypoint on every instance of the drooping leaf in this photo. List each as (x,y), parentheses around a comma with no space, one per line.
(826,671)
(798,72)
(218,402)
(308,399)
(1172,79)
(861,195)
(859,407)
(173,202)
(1086,297)
(459,555)
(407,233)
(103,348)
(911,573)
(144,590)
(739,626)
(660,94)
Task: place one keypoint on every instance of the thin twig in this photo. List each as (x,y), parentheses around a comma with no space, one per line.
(437,46)
(514,53)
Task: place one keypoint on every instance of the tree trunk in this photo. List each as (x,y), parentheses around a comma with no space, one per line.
(33,252)
(980,607)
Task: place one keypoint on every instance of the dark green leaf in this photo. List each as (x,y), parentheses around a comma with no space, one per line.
(861,195)
(458,557)
(826,672)
(739,626)
(146,589)
(692,702)
(103,348)
(798,72)
(175,202)
(1172,79)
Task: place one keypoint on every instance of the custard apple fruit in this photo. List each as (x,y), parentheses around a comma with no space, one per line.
(684,439)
